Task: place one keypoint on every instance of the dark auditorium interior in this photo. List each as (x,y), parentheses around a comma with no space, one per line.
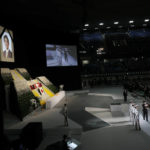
(75,75)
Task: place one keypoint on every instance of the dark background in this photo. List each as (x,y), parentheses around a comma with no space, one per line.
(36,23)
(30,53)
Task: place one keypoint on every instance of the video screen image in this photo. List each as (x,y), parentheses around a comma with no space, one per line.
(61,55)
(6,45)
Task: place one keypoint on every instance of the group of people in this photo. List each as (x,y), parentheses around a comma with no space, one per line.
(134,113)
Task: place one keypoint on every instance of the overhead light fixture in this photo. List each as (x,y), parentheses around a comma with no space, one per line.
(146,20)
(108,27)
(84,29)
(101,24)
(85,62)
(86,25)
(131,21)
(116,22)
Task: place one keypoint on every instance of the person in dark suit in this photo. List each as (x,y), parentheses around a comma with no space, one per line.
(125,94)
(145,111)
(7,53)
(65,113)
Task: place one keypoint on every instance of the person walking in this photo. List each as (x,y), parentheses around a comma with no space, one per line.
(65,113)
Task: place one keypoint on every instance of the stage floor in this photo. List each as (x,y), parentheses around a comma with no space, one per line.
(89,118)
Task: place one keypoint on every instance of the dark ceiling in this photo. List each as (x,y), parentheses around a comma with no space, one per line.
(70,15)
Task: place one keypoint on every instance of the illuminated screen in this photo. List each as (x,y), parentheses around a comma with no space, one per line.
(61,55)
(6,45)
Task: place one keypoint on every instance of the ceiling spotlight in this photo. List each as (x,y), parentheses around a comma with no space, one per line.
(84,29)
(131,21)
(146,20)
(101,24)
(108,27)
(116,22)
(86,25)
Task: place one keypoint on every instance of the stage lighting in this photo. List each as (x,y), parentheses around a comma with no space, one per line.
(108,27)
(131,21)
(146,20)
(116,22)
(85,62)
(86,25)
(96,28)
(84,29)
(101,24)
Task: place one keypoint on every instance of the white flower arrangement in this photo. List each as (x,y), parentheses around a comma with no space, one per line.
(24,96)
(45,80)
(21,87)
(48,83)
(24,73)
(22,70)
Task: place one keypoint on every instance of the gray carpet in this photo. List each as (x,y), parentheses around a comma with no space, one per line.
(76,110)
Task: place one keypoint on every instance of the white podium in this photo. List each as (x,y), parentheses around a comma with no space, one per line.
(115,107)
(51,102)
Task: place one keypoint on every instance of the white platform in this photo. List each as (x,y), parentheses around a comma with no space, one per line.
(51,102)
(115,107)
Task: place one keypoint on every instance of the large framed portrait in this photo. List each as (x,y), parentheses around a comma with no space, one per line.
(6,45)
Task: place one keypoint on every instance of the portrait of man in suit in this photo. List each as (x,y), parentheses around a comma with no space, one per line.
(7,53)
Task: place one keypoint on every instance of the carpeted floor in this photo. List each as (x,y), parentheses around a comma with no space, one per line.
(77,113)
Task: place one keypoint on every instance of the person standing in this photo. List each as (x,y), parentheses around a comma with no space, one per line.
(125,94)
(65,113)
(137,121)
(131,111)
(145,111)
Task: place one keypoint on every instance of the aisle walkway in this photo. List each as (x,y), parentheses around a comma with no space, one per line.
(123,137)
(115,138)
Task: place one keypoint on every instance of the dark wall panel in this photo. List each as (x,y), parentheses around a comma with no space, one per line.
(29,44)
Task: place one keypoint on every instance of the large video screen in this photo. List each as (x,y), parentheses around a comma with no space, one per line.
(61,55)
(6,45)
